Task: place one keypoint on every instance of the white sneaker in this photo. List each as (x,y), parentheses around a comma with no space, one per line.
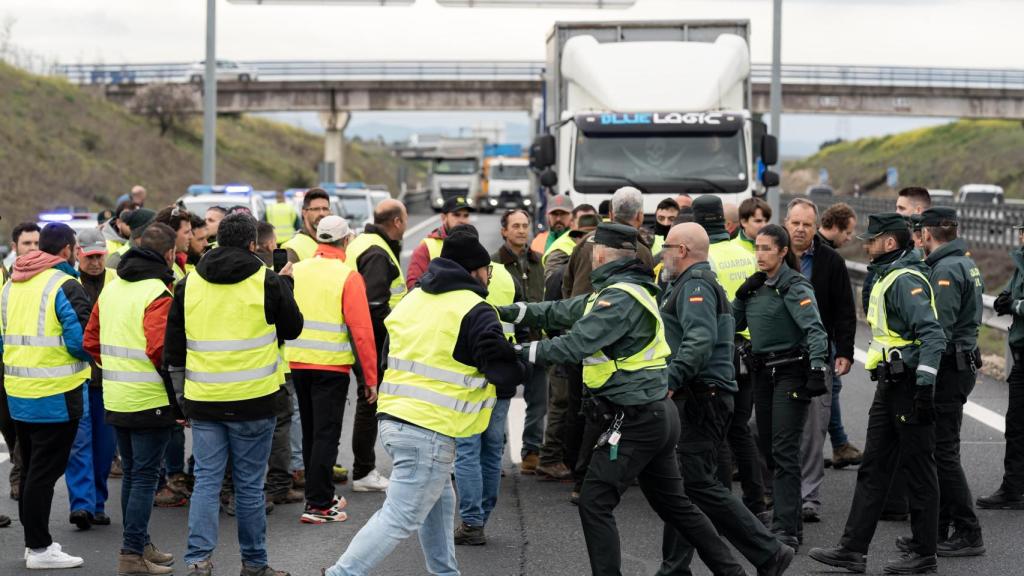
(372,482)
(52,558)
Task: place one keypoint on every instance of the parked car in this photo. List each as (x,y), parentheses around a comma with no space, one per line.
(819,191)
(227,71)
(941,197)
(201,198)
(981,194)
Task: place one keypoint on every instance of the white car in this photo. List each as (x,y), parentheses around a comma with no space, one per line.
(227,71)
(198,204)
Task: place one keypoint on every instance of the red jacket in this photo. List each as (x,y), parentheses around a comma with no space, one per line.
(356,309)
(421,258)
(154,324)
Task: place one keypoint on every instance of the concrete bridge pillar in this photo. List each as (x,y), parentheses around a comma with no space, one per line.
(334,124)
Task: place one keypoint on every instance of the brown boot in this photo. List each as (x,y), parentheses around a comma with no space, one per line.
(116,471)
(299,479)
(179,483)
(529,463)
(291,496)
(154,555)
(136,565)
(557,471)
(846,455)
(166,497)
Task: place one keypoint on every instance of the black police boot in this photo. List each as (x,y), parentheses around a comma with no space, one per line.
(1002,499)
(912,563)
(840,558)
(962,544)
(778,563)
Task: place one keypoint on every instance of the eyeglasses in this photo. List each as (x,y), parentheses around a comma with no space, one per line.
(680,245)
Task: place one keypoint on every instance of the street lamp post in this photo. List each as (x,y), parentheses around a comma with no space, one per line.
(210,97)
(775,93)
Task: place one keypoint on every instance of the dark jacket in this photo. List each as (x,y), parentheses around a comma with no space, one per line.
(834,293)
(819,237)
(93,286)
(577,274)
(958,294)
(378,273)
(227,265)
(1016,292)
(529,278)
(617,325)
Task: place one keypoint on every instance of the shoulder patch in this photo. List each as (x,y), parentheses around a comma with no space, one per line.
(916,291)
(805,302)
(604,303)
(696,299)
(942,283)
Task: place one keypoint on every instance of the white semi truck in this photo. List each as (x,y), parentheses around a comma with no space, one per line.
(662,106)
(455,169)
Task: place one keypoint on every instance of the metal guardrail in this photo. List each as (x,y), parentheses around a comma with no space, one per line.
(1006,79)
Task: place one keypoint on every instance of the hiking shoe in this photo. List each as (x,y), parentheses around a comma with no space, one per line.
(466,535)
(322,516)
(137,565)
(116,469)
(154,555)
(299,479)
(846,455)
(372,482)
(201,568)
(530,463)
(179,483)
(101,519)
(556,471)
(166,497)
(264,570)
(81,519)
(289,496)
(912,563)
(810,514)
(51,558)
(339,474)
(960,545)
(840,558)
(776,565)
(1002,499)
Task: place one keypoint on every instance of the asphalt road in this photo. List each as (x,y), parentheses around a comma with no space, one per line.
(534,529)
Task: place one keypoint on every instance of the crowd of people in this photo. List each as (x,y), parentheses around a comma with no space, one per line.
(709,349)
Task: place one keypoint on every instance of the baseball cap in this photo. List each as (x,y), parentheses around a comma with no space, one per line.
(561,203)
(91,242)
(879,224)
(455,203)
(332,229)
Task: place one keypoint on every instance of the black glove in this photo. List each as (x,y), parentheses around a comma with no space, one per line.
(924,405)
(816,382)
(750,285)
(1003,304)
(495,348)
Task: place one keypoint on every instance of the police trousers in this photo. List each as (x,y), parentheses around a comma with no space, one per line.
(646,451)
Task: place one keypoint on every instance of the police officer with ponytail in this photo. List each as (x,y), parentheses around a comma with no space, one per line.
(790,355)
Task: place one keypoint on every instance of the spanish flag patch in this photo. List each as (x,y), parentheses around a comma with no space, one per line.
(805,302)
(943,282)
(696,299)
(916,291)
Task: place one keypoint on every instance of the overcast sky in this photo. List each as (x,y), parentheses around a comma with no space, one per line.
(960,33)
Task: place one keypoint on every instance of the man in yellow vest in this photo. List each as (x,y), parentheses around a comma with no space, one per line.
(754,214)
(283,217)
(375,255)
(136,221)
(43,312)
(907,343)
(180,220)
(221,350)
(316,205)
(337,329)
(618,335)
(125,335)
(455,212)
(445,371)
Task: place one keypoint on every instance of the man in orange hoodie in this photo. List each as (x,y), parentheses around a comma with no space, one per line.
(332,298)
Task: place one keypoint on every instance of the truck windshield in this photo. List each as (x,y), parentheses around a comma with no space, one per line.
(356,208)
(502,172)
(461,166)
(661,163)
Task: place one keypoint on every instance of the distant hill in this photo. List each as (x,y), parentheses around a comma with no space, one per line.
(60,146)
(947,156)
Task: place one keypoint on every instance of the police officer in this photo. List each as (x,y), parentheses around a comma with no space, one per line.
(907,343)
(618,336)
(790,355)
(700,328)
(283,217)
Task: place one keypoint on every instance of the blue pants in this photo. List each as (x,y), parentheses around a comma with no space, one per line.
(142,450)
(478,468)
(91,456)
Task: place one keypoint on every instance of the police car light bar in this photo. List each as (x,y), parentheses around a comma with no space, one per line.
(56,217)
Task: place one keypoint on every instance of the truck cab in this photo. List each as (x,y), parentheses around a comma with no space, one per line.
(507,184)
(455,169)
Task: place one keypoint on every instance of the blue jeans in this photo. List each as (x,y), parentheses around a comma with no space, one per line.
(142,450)
(535,392)
(91,456)
(478,468)
(295,433)
(247,445)
(419,498)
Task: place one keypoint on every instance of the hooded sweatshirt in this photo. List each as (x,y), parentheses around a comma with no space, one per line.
(229,265)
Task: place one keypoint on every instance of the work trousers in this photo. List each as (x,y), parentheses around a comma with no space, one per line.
(1013,462)
(956,506)
(646,451)
(742,448)
(704,421)
(894,440)
(10,435)
(812,444)
(364,429)
(44,456)
(322,396)
(553,449)
(780,424)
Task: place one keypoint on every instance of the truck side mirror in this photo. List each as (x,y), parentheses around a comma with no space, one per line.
(770,179)
(548,178)
(542,152)
(769,150)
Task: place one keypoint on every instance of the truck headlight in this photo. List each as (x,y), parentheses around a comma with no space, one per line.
(439,201)
(527,202)
(492,202)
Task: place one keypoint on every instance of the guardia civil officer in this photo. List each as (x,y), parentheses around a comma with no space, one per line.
(618,336)
(790,355)
(699,327)
(907,343)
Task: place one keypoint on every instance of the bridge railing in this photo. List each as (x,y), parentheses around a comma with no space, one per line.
(1007,79)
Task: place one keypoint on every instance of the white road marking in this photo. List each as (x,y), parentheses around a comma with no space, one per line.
(516,422)
(4,456)
(987,417)
(429,221)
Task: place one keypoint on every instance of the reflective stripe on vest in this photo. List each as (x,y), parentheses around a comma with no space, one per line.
(282,216)
(883,339)
(319,292)
(36,362)
(733,264)
(303,246)
(564,243)
(434,247)
(501,291)
(598,368)
(130,381)
(423,384)
(364,241)
(229,341)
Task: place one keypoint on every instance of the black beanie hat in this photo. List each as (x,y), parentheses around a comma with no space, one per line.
(462,246)
(708,212)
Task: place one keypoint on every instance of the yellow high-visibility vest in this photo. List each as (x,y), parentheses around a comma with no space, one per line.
(501,291)
(598,367)
(733,264)
(36,362)
(282,216)
(564,243)
(883,339)
(319,289)
(232,350)
(130,381)
(423,384)
(433,246)
(303,246)
(360,244)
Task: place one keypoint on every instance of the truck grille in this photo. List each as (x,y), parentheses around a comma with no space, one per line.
(447,193)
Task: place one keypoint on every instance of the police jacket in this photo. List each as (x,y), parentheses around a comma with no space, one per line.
(577,279)
(958,288)
(699,327)
(1016,292)
(229,265)
(834,294)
